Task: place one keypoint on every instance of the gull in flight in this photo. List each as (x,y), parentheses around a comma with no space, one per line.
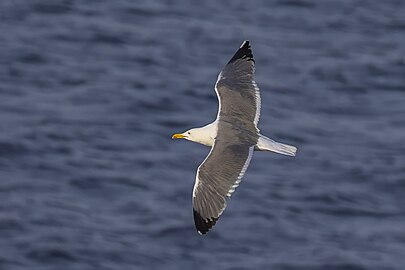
(232,137)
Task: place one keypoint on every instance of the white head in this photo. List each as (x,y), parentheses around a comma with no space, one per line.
(203,135)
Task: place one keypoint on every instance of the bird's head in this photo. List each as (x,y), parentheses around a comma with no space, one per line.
(188,135)
(198,135)
(204,135)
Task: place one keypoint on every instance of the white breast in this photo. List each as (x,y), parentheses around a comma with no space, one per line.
(205,135)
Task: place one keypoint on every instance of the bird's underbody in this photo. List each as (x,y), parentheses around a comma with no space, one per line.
(206,135)
(233,137)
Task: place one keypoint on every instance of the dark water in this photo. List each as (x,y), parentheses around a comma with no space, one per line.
(90,92)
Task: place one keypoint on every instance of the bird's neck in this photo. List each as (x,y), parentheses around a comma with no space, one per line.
(207,134)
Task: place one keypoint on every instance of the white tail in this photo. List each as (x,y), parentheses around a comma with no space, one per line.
(267,144)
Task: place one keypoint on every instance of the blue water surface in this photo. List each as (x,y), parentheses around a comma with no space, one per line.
(91,92)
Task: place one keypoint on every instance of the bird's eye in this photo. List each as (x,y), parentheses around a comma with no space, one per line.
(188,132)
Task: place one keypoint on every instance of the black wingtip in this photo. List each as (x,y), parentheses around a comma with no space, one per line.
(203,225)
(244,52)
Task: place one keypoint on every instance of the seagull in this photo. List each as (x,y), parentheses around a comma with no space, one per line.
(233,137)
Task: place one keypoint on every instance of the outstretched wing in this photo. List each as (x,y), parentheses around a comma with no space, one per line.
(236,83)
(217,177)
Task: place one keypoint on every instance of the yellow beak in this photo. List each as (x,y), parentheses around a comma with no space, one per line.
(178,136)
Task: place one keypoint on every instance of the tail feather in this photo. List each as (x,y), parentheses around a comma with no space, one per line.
(267,144)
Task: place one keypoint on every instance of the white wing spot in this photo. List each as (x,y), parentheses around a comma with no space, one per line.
(244,168)
(258,102)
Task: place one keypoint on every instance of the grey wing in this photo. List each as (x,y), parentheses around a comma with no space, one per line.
(237,91)
(216,179)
